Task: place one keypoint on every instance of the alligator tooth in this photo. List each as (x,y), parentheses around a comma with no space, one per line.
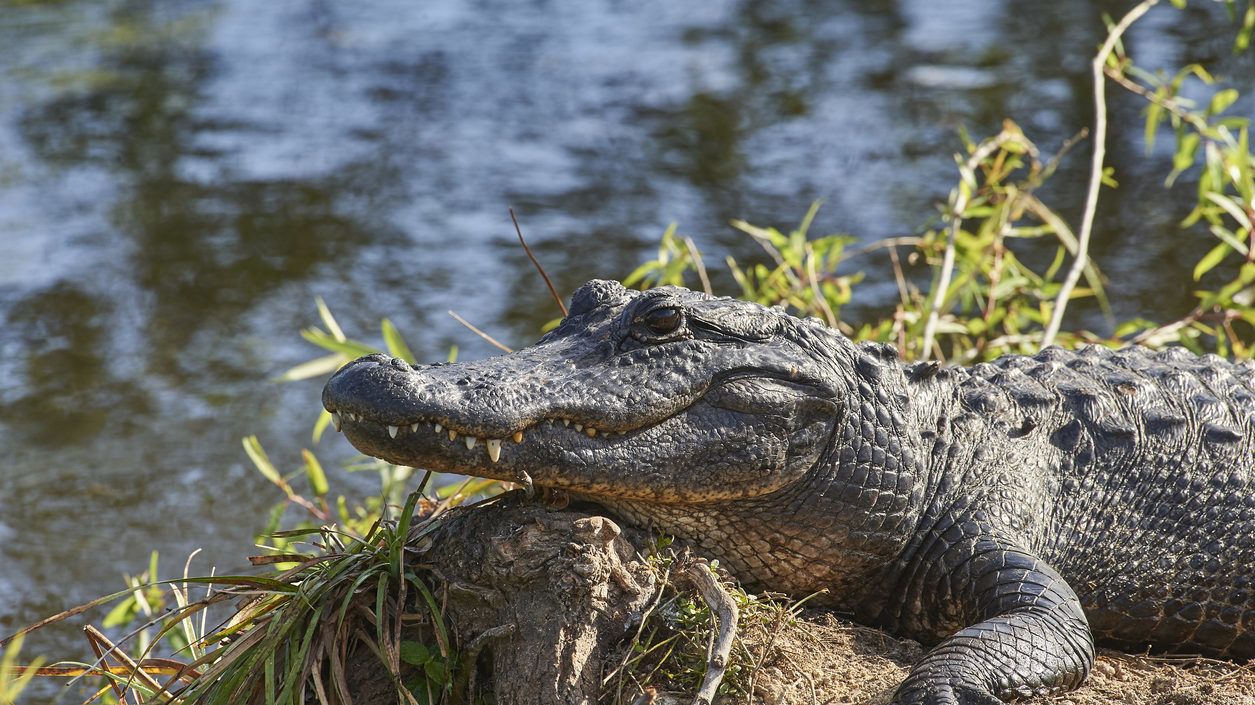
(579,427)
(439,428)
(566,422)
(392,431)
(518,436)
(413,428)
(470,442)
(453,435)
(590,431)
(494,449)
(335,420)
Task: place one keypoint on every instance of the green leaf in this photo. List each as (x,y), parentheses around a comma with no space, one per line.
(1109,177)
(313,368)
(253,448)
(1243,40)
(120,614)
(314,472)
(1154,115)
(1231,208)
(396,344)
(1214,257)
(352,348)
(639,274)
(436,672)
(1179,4)
(258,582)
(1233,240)
(328,320)
(414,653)
(1202,73)
(324,418)
(1245,276)
(433,608)
(1221,101)
(1187,148)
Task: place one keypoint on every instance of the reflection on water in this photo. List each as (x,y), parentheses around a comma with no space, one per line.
(178,180)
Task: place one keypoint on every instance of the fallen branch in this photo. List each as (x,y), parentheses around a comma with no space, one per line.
(725,611)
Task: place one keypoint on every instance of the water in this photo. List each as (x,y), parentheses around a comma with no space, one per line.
(179,180)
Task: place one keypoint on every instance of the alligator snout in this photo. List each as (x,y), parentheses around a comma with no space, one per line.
(382,387)
(492,398)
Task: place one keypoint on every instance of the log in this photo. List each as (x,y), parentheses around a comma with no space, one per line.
(540,597)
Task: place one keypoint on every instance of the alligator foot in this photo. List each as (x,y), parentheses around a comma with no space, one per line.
(1026,634)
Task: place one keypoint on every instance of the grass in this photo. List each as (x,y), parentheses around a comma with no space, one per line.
(291,633)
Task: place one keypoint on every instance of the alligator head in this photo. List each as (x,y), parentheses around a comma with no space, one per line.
(667,395)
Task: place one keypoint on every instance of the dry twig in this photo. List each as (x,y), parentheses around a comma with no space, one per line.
(724,609)
(491,340)
(1096,168)
(539,268)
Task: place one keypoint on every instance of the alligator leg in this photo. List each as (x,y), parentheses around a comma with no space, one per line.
(1026,633)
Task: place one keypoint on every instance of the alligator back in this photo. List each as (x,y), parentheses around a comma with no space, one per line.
(1150,491)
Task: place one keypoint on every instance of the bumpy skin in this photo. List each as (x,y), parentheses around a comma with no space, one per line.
(989,511)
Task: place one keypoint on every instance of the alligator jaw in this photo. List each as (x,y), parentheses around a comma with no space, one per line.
(427,441)
(713,449)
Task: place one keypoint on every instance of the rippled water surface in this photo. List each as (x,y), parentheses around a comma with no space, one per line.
(179,180)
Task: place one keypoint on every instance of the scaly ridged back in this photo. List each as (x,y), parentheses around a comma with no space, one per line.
(1151,512)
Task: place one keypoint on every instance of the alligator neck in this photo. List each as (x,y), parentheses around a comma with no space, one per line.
(837,532)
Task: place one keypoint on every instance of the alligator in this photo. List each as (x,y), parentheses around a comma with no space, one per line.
(1009,515)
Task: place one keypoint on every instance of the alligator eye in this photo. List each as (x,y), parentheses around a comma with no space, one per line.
(661,321)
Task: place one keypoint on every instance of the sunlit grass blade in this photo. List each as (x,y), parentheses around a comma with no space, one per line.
(328,320)
(395,343)
(317,367)
(315,474)
(348,347)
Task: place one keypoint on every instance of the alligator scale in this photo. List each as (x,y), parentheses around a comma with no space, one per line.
(1010,514)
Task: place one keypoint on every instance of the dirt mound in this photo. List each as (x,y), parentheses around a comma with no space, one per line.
(821,659)
(543,605)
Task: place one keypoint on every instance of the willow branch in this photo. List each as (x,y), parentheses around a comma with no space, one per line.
(958,204)
(1081,259)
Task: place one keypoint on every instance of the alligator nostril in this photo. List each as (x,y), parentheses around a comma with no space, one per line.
(400,364)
